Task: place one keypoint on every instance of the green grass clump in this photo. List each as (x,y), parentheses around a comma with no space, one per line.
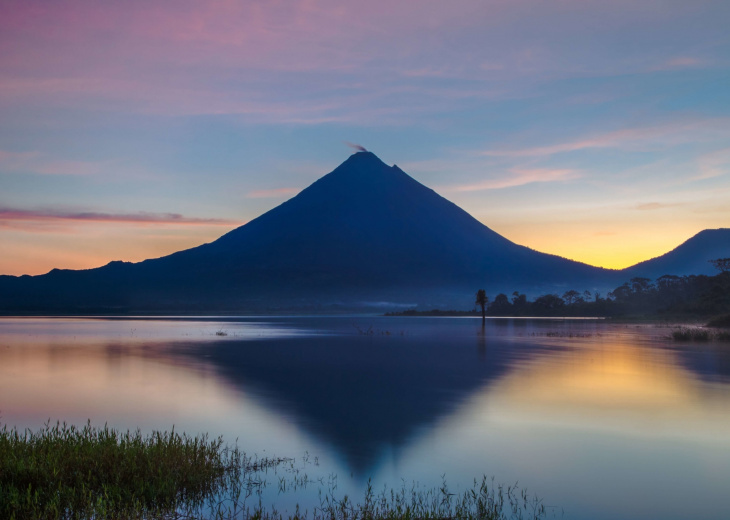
(67,472)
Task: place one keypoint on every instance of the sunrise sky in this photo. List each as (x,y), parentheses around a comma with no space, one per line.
(595,130)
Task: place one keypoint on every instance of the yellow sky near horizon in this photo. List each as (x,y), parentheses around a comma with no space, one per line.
(99,243)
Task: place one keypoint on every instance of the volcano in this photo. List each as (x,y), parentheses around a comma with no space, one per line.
(366,234)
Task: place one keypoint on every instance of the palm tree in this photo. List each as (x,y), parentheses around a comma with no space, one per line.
(482,302)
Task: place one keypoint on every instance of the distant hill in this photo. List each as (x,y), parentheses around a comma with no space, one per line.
(691,257)
(365,236)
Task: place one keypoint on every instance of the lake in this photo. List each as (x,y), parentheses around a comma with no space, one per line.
(598,419)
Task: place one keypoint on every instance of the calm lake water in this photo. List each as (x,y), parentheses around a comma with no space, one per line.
(600,420)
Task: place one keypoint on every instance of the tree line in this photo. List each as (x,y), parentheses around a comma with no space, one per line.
(670,295)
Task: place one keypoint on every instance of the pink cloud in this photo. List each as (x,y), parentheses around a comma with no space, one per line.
(632,138)
(519,177)
(12,157)
(650,206)
(70,167)
(287,60)
(16,160)
(188,55)
(9,216)
(289,35)
(680,62)
(713,164)
(36,162)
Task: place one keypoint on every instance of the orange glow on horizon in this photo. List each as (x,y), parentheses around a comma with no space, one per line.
(618,246)
(95,245)
(594,236)
(99,244)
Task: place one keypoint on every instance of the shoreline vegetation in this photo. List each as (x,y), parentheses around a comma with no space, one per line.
(65,472)
(669,298)
(62,472)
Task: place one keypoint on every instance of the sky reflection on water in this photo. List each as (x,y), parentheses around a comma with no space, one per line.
(602,420)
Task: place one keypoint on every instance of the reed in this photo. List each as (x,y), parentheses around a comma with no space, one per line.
(484,501)
(64,472)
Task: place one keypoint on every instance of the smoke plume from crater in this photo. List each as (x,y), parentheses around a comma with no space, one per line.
(357,147)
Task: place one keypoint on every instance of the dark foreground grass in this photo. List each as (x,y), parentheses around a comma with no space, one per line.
(67,472)
(64,472)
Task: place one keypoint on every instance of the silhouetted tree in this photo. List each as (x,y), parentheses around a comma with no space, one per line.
(519,300)
(482,302)
(670,296)
(668,282)
(621,294)
(641,285)
(721,264)
(572,297)
(548,302)
(501,305)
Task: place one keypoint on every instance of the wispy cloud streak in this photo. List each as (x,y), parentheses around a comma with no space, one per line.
(713,164)
(651,206)
(631,138)
(519,177)
(21,215)
(188,57)
(680,62)
(36,162)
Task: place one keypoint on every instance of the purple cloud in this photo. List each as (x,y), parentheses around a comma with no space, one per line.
(142,217)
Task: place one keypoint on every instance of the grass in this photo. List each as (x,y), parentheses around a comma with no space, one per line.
(67,472)
(484,501)
(64,472)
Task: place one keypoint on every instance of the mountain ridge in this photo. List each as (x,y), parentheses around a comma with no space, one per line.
(691,257)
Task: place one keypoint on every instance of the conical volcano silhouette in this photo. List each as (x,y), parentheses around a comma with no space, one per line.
(366,232)
(364,223)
